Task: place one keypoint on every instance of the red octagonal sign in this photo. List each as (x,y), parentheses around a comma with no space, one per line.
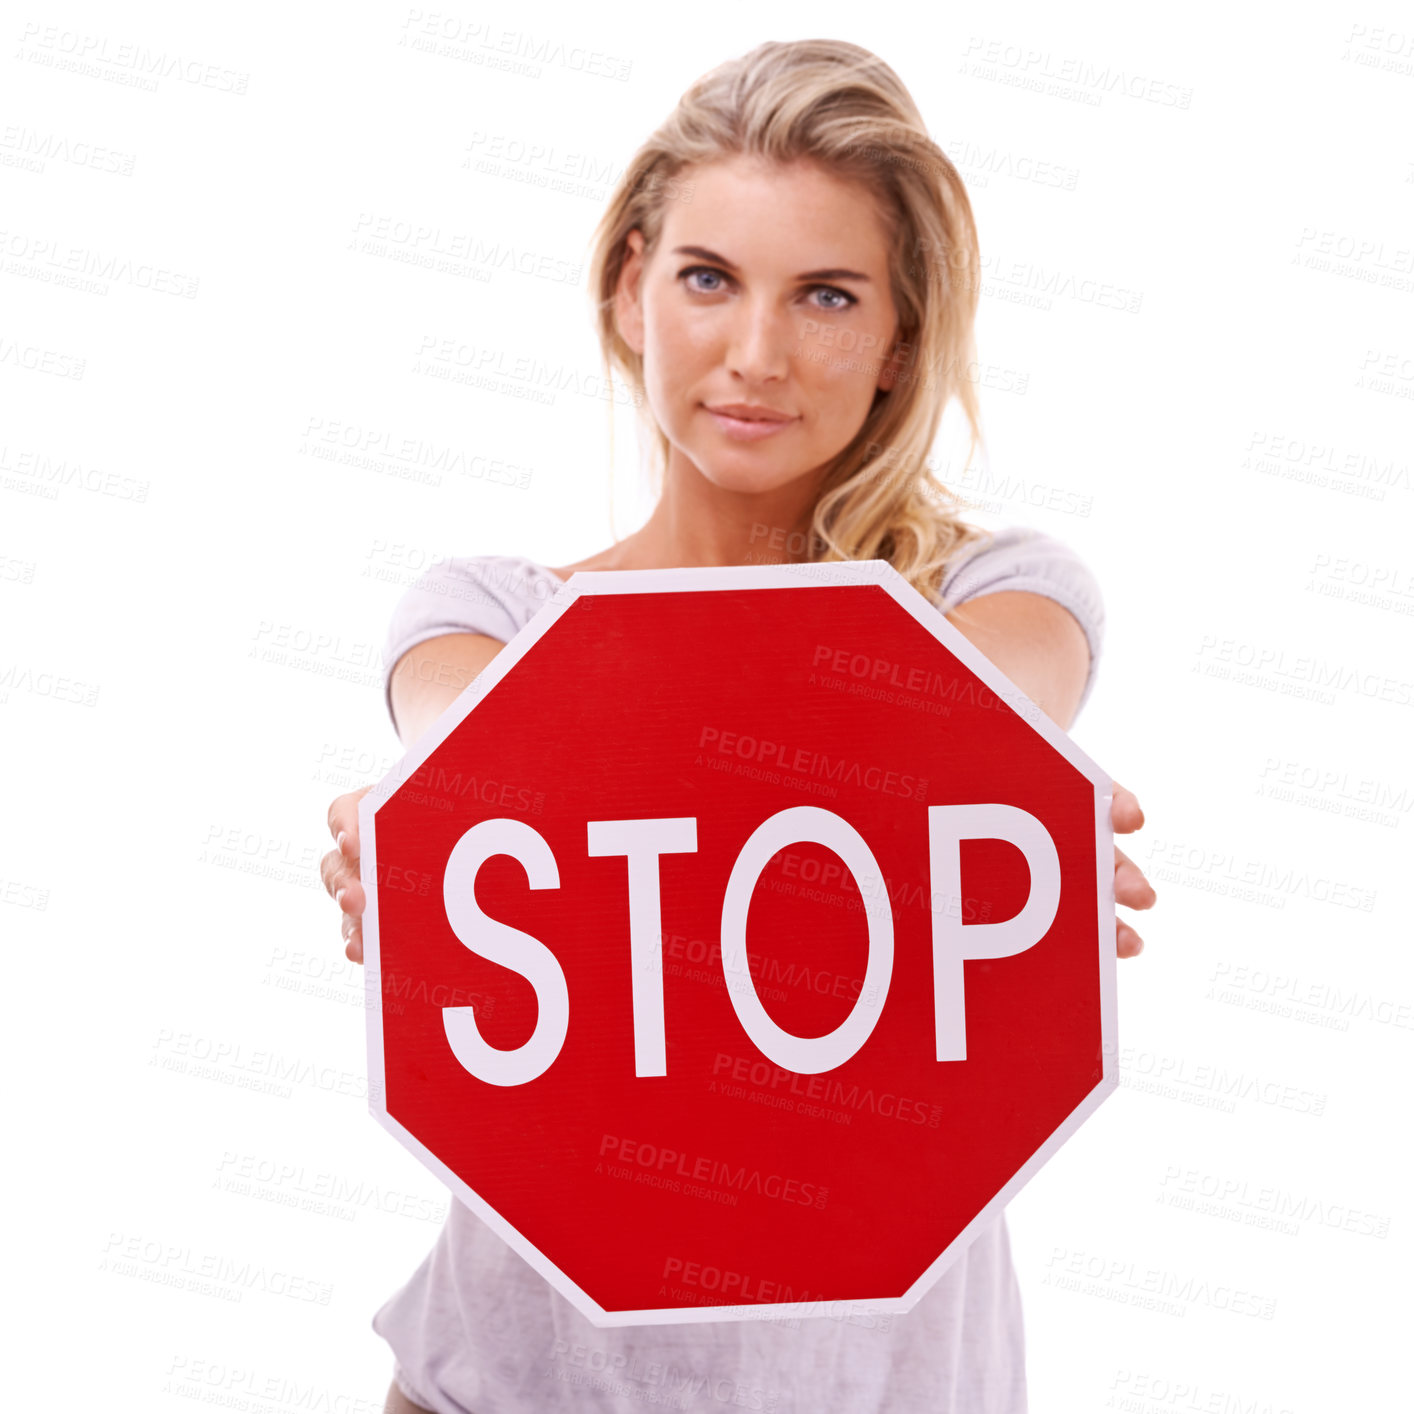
(739,942)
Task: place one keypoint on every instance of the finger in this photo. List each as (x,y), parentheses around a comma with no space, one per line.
(343,820)
(1125,814)
(1128,943)
(350,897)
(335,871)
(1132,889)
(353,944)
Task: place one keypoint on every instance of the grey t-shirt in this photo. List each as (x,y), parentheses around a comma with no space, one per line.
(476,1330)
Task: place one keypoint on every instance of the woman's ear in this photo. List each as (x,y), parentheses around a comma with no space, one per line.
(628,304)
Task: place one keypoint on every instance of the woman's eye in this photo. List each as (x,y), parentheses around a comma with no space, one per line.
(702,270)
(838,299)
(844,298)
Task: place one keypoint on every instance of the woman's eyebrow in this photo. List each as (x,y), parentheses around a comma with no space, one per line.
(702,253)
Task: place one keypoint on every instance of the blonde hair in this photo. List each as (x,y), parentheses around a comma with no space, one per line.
(838,105)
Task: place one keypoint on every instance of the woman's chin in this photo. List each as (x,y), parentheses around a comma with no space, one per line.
(751,483)
(745,474)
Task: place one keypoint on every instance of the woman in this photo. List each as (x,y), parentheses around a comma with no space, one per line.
(787,274)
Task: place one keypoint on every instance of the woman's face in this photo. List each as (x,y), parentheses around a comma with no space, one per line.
(768,289)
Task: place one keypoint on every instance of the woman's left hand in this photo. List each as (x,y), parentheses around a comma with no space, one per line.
(1131,887)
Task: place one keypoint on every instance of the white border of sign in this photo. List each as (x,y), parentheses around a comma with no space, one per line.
(878,572)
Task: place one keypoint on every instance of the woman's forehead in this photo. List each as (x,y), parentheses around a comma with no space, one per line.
(749,209)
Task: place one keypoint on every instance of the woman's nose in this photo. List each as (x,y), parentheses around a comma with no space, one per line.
(761,341)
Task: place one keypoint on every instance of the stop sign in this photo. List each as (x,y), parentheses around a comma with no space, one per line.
(741,938)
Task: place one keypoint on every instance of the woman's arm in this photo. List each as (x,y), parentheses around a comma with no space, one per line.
(1035,641)
(426,680)
(430,676)
(1041,647)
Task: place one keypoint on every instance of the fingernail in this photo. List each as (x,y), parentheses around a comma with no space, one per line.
(339,841)
(339,896)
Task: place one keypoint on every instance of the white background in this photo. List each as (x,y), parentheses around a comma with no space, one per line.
(194,603)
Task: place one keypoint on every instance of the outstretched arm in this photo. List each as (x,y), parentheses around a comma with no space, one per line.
(1041,647)
(426,680)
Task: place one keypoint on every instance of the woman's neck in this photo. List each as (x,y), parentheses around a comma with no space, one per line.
(697,522)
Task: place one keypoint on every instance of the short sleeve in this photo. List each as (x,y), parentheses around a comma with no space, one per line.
(1021,557)
(490,594)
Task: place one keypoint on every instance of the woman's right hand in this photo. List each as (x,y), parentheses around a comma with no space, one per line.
(339,869)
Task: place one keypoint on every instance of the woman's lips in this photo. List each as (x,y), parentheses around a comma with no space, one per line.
(744,429)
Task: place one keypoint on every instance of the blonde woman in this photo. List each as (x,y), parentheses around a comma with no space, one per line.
(787,276)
